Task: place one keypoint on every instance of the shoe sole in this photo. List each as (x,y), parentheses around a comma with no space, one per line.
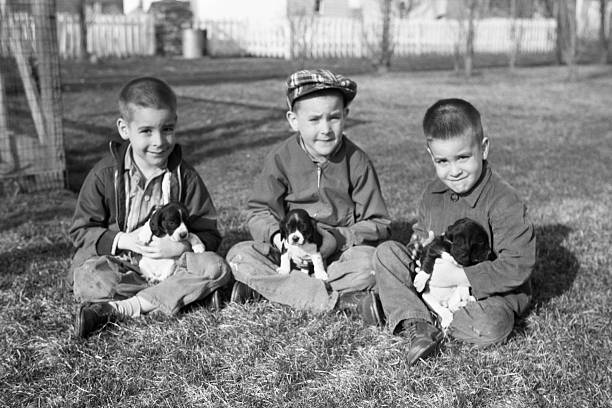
(235,297)
(423,353)
(214,301)
(377,310)
(78,326)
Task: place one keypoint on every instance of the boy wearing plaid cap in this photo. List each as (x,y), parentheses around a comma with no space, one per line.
(321,171)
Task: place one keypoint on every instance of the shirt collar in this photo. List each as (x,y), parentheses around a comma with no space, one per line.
(472,196)
(134,171)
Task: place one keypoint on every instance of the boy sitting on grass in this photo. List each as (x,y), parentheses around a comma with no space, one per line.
(117,197)
(321,171)
(465,186)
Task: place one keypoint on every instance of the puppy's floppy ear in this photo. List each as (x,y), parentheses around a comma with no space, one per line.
(317,238)
(184,214)
(155,223)
(283,227)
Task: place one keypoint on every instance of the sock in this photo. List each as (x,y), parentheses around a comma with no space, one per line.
(128,307)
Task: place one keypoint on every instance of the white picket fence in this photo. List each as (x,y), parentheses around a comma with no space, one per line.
(107,35)
(347,37)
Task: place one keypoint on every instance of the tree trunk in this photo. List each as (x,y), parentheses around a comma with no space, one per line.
(603,40)
(566,35)
(469,40)
(557,10)
(572,40)
(83,54)
(386,48)
(515,38)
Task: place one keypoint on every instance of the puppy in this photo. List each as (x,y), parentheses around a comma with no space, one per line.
(466,243)
(166,222)
(299,236)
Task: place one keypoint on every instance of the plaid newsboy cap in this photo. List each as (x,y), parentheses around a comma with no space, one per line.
(302,83)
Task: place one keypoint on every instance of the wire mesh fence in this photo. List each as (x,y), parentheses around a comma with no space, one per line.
(31,135)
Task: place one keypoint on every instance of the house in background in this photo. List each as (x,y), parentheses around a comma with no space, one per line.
(275,9)
(97,6)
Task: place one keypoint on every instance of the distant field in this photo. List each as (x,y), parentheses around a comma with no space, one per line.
(550,138)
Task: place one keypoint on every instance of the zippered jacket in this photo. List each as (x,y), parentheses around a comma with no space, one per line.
(343,194)
(101,206)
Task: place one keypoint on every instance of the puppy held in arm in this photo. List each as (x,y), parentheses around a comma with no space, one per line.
(466,243)
(300,238)
(166,222)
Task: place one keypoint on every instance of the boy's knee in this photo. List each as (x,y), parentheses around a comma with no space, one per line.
(236,253)
(483,323)
(386,251)
(94,279)
(208,265)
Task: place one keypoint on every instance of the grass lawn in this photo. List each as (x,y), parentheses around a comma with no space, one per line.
(551,139)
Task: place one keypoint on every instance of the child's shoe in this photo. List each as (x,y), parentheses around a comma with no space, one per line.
(241,293)
(92,316)
(366,304)
(424,339)
(371,311)
(213,301)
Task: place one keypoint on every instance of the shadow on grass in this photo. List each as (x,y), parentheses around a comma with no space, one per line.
(15,220)
(18,261)
(556,267)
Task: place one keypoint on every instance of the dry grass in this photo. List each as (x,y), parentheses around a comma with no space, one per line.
(550,138)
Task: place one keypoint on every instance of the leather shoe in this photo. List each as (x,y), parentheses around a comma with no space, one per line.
(424,339)
(213,301)
(371,311)
(92,316)
(241,293)
(366,304)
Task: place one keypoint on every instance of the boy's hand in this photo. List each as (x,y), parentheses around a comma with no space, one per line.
(164,248)
(416,244)
(130,241)
(447,273)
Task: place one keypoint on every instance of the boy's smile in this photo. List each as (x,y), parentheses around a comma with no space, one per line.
(458,161)
(320,122)
(151,135)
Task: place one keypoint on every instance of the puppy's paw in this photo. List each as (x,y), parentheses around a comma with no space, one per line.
(283,271)
(446,318)
(420,280)
(322,275)
(198,249)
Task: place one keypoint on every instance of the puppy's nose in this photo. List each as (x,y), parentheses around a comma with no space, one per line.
(295,239)
(183,235)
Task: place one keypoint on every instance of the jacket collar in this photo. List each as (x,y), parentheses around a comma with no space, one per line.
(472,196)
(332,157)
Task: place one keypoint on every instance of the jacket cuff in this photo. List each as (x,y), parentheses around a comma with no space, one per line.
(104,246)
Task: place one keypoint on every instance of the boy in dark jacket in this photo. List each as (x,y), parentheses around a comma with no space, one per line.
(317,169)
(117,197)
(465,186)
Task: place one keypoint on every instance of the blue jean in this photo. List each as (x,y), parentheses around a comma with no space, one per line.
(486,321)
(254,264)
(107,278)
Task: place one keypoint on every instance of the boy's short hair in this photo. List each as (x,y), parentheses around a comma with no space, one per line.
(450,118)
(146,92)
(309,81)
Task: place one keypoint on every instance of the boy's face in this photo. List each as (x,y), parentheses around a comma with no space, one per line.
(458,160)
(151,134)
(320,121)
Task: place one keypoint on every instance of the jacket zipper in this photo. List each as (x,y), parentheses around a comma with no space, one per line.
(318,177)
